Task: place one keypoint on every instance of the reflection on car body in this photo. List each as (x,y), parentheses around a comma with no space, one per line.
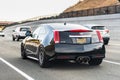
(67,42)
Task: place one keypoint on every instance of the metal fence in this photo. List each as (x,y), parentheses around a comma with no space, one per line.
(89,12)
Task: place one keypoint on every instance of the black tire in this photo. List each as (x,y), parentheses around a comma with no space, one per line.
(43,58)
(17,38)
(106,42)
(3,35)
(13,38)
(95,61)
(23,53)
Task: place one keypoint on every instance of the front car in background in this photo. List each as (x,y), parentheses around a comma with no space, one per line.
(55,41)
(103,30)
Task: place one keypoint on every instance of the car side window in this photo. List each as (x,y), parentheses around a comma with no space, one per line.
(93,27)
(36,32)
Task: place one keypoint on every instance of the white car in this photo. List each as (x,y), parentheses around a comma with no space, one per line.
(103,30)
(19,32)
(2,33)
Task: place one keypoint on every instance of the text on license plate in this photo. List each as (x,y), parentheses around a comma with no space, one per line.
(81,40)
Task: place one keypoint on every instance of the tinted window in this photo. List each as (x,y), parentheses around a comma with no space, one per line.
(98,27)
(39,31)
(24,29)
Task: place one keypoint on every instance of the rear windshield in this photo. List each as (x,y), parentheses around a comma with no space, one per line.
(98,27)
(24,29)
(67,27)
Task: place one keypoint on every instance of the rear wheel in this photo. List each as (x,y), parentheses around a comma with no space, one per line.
(13,38)
(23,53)
(3,36)
(43,59)
(17,38)
(95,61)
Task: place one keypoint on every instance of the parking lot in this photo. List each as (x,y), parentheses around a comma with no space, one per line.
(13,67)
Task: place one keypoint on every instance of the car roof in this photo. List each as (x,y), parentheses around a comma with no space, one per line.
(24,27)
(91,25)
(65,26)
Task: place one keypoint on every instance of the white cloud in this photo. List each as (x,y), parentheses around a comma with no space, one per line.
(16,10)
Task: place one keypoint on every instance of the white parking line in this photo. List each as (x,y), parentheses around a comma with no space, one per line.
(116,63)
(16,69)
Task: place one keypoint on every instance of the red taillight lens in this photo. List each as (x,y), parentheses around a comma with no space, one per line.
(79,30)
(56,37)
(99,36)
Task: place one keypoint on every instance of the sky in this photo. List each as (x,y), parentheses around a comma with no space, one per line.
(18,10)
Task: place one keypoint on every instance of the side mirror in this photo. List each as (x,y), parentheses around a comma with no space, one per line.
(13,30)
(28,33)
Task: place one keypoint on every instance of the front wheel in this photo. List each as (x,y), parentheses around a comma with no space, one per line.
(23,53)
(43,59)
(17,38)
(13,38)
(95,61)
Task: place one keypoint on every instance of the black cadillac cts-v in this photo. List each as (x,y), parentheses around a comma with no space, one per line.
(54,41)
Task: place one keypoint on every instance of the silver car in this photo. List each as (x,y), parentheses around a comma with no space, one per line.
(19,32)
(2,33)
(103,30)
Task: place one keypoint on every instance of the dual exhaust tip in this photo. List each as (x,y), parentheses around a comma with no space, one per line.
(83,59)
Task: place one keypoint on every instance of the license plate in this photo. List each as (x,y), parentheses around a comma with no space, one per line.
(81,40)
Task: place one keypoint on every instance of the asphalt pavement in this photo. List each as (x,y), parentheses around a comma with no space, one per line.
(13,67)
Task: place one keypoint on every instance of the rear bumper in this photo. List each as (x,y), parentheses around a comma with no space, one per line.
(22,37)
(65,51)
(74,48)
(75,56)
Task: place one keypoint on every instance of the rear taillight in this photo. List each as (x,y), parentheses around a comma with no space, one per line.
(99,36)
(107,31)
(79,30)
(56,37)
